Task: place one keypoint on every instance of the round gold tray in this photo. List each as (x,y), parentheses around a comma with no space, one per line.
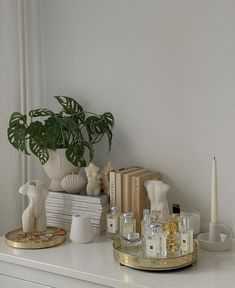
(36,240)
(155,264)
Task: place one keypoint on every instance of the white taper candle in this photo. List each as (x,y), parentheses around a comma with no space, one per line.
(214,194)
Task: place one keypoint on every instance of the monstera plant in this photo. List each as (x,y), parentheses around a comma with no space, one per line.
(71,128)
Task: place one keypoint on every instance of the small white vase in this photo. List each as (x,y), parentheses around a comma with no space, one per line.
(57,167)
(81,230)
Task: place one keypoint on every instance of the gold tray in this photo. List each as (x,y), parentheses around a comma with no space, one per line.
(155,264)
(36,240)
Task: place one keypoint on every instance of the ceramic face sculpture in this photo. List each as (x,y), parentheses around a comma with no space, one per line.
(34,216)
(157,192)
(93,180)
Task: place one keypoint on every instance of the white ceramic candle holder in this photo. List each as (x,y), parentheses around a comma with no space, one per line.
(219,238)
(81,230)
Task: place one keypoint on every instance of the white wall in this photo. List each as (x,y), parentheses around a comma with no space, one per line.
(166,70)
(10,161)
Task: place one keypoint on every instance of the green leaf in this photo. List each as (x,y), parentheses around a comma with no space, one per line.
(69,105)
(40,112)
(75,154)
(17,119)
(109,118)
(38,150)
(17,133)
(17,137)
(35,128)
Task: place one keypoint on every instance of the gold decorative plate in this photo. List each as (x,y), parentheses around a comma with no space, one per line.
(36,240)
(156,264)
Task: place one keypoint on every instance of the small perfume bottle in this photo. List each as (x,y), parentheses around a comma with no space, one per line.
(127,223)
(176,216)
(145,223)
(153,242)
(186,237)
(113,222)
(163,238)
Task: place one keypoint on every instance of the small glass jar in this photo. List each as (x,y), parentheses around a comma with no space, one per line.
(127,224)
(112,220)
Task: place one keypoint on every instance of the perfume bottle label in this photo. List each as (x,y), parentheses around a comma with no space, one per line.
(152,247)
(112,225)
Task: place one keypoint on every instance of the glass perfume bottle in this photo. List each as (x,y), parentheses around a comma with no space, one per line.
(127,224)
(145,223)
(186,237)
(173,237)
(176,216)
(153,242)
(112,220)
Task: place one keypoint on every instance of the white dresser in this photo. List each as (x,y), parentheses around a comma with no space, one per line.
(92,265)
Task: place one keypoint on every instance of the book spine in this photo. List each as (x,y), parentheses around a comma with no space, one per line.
(125,194)
(136,189)
(118,184)
(112,188)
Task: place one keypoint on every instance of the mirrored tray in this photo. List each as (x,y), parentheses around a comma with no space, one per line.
(138,261)
(35,240)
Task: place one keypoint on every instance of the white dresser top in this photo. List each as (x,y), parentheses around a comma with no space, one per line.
(94,262)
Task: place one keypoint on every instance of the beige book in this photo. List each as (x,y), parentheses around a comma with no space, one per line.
(118,184)
(128,199)
(141,200)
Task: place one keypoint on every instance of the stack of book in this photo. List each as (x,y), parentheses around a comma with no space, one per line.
(128,192)
(61,206)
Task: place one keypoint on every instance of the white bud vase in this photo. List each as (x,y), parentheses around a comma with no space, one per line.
(81,230)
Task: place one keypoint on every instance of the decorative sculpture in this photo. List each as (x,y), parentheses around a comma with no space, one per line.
(34,216)
(105,177)
(157,192)
(94,180)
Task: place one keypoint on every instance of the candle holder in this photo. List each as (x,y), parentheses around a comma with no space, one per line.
(218,239)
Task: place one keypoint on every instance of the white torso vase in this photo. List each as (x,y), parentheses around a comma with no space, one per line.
(57,167)
(34,216)
(157,194)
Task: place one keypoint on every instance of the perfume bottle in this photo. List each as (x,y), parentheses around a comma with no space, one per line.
(153,242)
(173,237)
(176,216)
(127,224)
(186,237)
(112,220)
(145,223)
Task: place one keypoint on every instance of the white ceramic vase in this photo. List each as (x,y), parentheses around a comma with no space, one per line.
(81,230)
(57,167)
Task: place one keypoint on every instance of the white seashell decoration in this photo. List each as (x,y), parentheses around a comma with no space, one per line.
(73,183)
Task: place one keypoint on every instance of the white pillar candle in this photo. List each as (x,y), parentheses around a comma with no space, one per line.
(214,194)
